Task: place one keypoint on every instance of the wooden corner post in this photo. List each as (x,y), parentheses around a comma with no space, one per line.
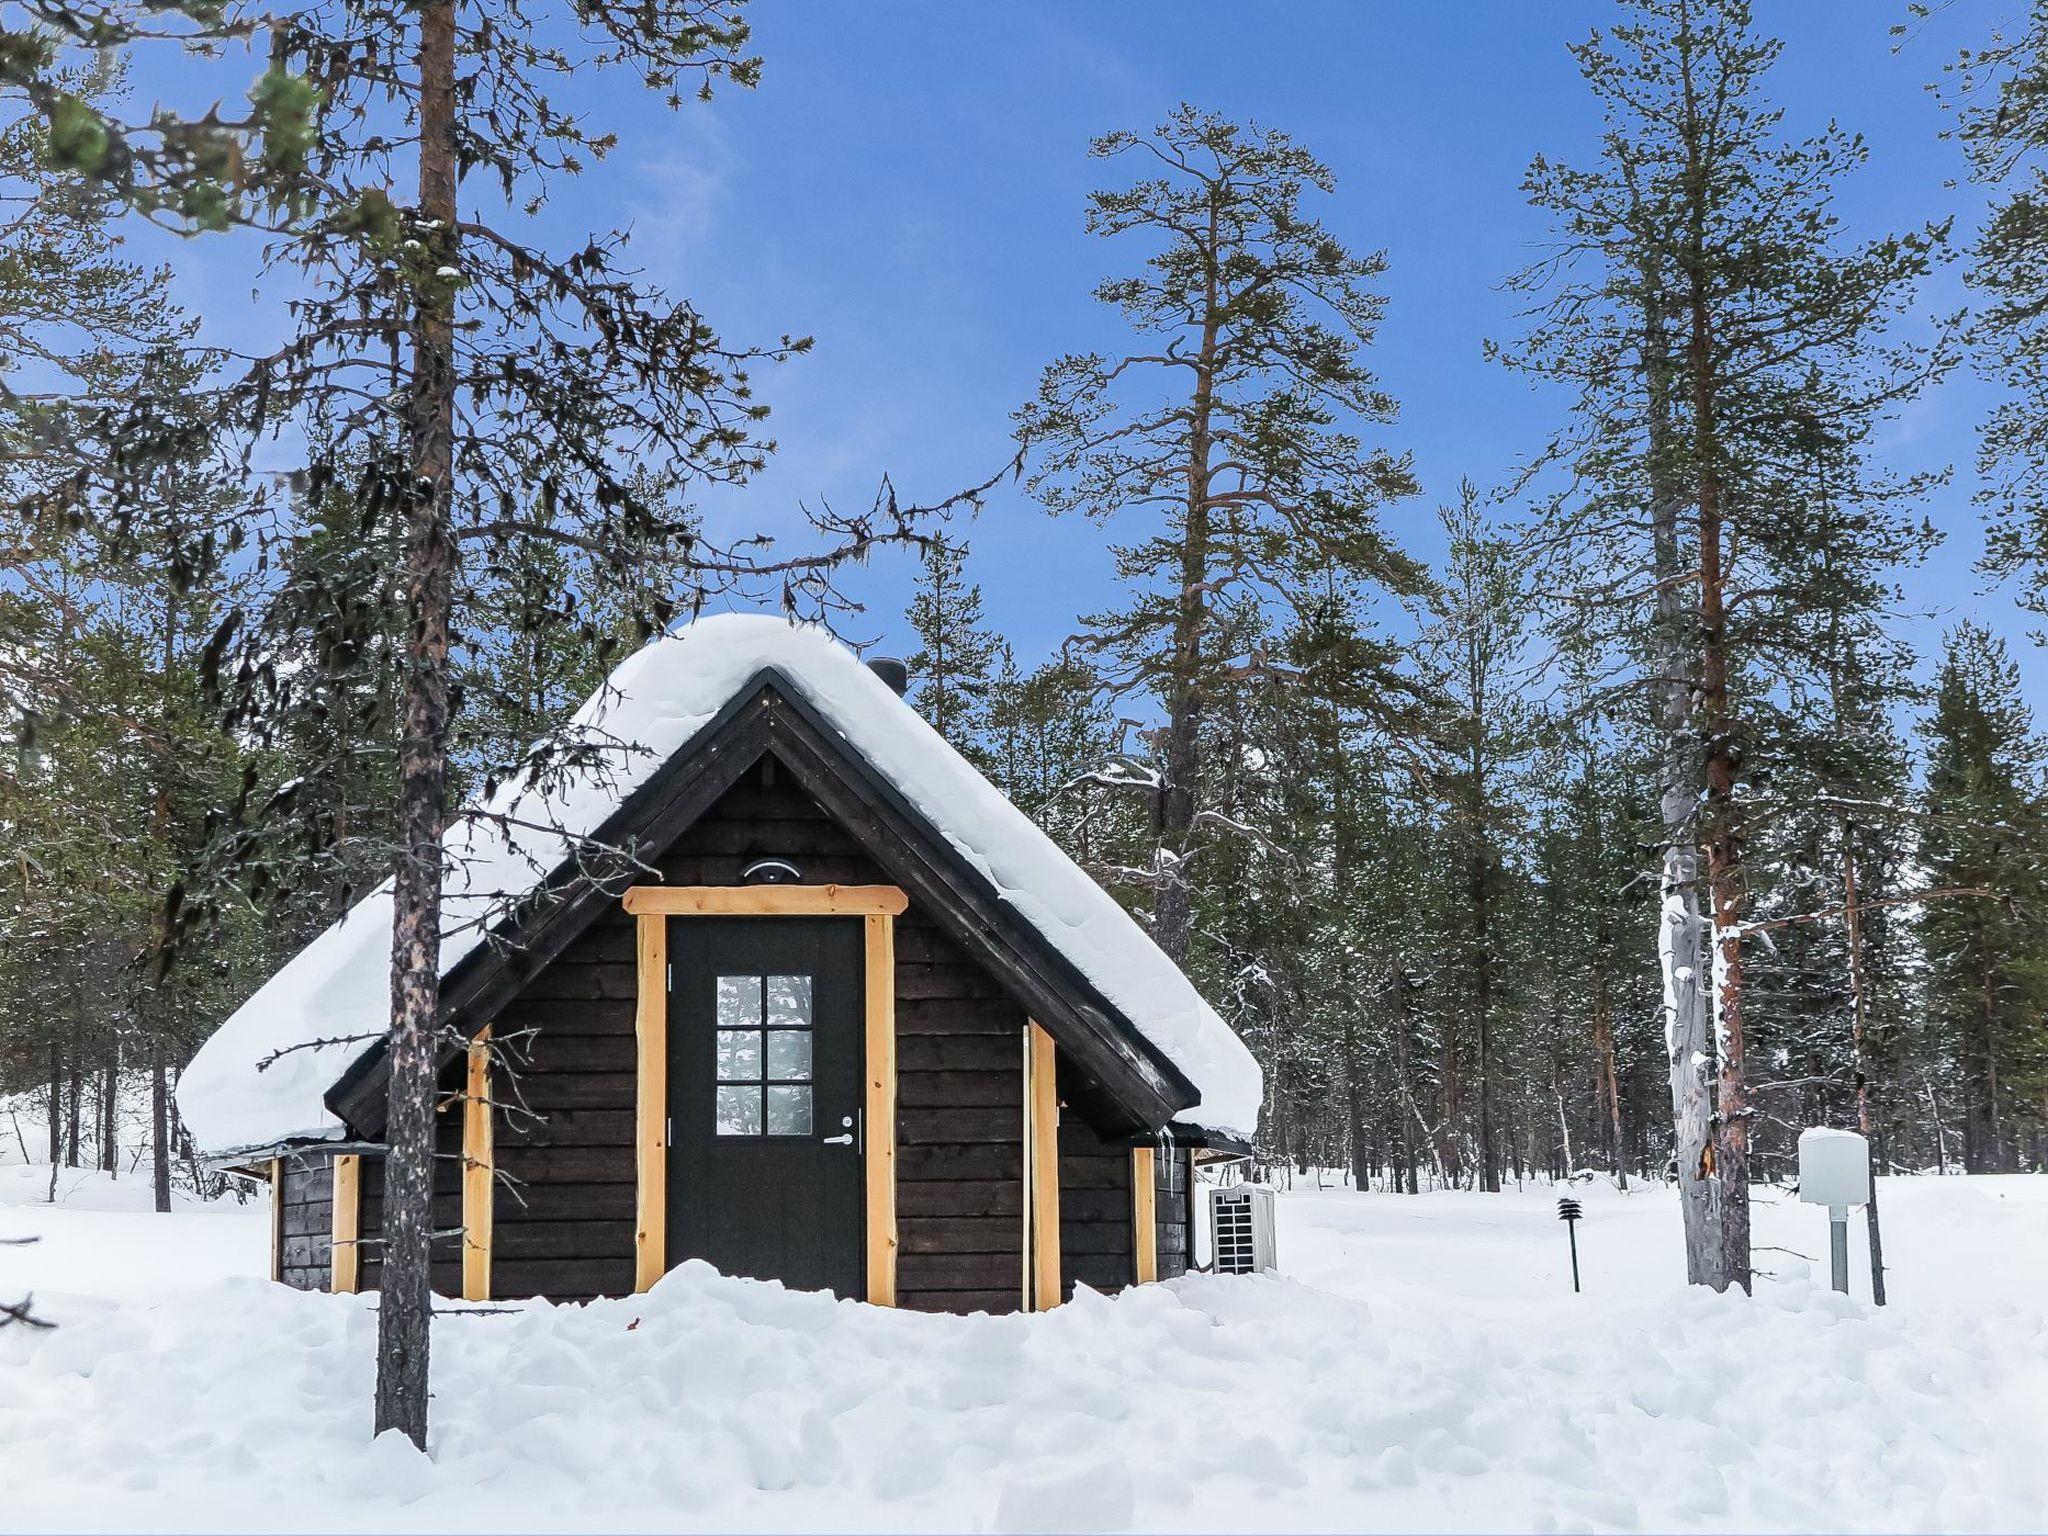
(345,1253)
(1042,1170)
(479,1171)
(650,1137)
(1144,1215)
(878,1110)
(277,1218)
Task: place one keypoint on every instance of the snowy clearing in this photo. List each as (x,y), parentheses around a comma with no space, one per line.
(1421,1364)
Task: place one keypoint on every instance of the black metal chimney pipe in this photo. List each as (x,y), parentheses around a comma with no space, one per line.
(892,672)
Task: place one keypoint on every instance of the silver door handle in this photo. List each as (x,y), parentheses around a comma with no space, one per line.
(839,1141)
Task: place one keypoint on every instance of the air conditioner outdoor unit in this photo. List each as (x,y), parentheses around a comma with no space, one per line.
(1241,1229)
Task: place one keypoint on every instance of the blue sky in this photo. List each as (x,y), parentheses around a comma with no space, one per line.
(907,186)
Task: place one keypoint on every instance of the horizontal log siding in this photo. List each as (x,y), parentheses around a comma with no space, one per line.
(959,1129)
(305,1221)
(1172,1174)
(1095,1202)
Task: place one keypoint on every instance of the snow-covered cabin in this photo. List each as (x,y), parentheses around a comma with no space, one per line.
(787,986)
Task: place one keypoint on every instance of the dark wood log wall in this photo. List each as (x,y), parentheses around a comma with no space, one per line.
(1172,1178)
(1096,1237)
(563,1218)
(563,1224)
(959,1129)
(305,1225)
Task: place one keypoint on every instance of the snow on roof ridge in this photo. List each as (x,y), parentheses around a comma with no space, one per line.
(327,1005)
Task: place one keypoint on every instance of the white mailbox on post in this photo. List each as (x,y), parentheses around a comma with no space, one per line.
(1834,1171)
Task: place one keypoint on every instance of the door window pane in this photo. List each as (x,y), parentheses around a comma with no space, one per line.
(789,1002)
(789,1056)
(739,1110)
(789,1111)
(763,1074)
(739,1002)
(739,1055)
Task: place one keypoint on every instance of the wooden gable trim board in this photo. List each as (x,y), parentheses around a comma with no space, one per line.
(878,905)
(767,900)
(479,1170)
(345,1254)
(1144,1216)
(1042,1101)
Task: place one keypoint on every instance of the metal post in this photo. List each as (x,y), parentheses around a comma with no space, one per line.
(1838,1245)
(1568,1213)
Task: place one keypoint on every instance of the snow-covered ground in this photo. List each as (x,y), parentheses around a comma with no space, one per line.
(1419,1364)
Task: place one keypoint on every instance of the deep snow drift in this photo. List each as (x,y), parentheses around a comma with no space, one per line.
(1421,1365)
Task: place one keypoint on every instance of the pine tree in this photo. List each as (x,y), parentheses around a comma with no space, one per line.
(1477,646)
(2001,91)
(96,691)
(1987,958)
(1702,249)
(1228,436)
(522,399)
(950,671)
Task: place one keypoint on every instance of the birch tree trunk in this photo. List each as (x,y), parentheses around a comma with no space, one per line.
(405,1308)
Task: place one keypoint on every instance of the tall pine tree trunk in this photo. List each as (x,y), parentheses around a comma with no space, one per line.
(1397,989)
(1482,1007)
(1609,1077)
(1860,1039)
(56,1114)
(1723,816)
(1681,929)
(110,1109)
(405,1308)
(74,1093)
(1173,901)
(159,1126)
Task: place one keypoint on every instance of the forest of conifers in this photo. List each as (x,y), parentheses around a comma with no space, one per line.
(1628,836)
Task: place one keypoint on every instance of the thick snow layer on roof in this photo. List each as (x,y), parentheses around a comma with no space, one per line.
(329,1004)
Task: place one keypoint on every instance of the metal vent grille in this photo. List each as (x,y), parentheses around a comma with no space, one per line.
(1241,1230)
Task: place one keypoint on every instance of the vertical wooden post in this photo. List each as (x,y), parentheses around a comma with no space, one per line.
(1041,1092)
(479,1171)
(345,1254)
(878,1122)
(650,1028)
(276,1215)
(1144,1216)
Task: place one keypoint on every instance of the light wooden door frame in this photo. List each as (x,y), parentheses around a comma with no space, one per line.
(878,906)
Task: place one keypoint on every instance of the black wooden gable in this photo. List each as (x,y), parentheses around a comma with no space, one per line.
(1130,1085)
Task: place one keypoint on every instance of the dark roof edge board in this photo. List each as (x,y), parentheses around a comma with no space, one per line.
(1182,1134)
(1135,1072)
(999,922)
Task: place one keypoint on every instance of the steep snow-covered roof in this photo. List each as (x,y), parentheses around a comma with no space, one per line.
(329,1004)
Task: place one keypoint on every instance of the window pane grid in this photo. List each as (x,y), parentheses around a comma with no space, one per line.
(763,1056)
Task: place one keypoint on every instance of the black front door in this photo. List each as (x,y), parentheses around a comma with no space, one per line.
(765,1061)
